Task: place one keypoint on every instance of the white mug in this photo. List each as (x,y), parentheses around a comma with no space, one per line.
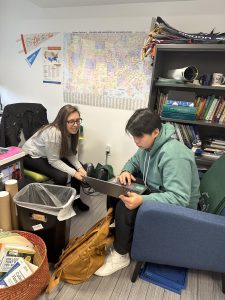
(218,79)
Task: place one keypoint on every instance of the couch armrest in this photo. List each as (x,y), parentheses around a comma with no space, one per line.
(179,236)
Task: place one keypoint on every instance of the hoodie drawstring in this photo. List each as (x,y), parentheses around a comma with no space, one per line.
(146,173)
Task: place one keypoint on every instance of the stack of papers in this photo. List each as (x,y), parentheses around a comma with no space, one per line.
(167,277)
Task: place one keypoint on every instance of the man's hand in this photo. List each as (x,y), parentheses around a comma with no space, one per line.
(126,177)
(132,200)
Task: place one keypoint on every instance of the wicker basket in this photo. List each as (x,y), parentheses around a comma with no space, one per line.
(32,286)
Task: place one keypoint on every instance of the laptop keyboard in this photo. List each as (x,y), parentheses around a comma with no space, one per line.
(134,187)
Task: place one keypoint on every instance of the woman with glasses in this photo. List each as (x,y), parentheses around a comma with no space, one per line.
(52,150)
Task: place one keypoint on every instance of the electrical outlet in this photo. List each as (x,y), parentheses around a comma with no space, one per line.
(108,149)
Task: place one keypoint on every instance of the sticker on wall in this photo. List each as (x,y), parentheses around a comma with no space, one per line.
(52,65)
(32,41)
(31,58)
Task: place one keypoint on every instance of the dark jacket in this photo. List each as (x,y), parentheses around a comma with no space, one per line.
(28,117)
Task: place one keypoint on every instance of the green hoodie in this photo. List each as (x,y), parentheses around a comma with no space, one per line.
(169,169)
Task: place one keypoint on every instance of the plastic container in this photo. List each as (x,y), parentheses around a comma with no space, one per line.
(46,210)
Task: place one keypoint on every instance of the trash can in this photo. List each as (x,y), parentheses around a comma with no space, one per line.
(46,210)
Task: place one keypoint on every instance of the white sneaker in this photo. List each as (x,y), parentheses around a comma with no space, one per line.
(113,262)
(113,225)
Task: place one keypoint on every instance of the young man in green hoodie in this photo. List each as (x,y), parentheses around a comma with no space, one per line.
(169,171)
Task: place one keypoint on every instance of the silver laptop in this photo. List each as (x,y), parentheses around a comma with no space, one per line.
(113,187)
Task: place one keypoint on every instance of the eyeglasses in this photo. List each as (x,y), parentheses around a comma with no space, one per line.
(73,122)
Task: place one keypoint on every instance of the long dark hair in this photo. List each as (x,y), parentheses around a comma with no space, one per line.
(60,122)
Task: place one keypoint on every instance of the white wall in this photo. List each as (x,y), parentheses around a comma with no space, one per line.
(20,83)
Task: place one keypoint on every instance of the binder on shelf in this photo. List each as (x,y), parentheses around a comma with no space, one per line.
(8,152)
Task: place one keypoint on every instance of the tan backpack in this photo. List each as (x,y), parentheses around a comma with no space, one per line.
(83,255)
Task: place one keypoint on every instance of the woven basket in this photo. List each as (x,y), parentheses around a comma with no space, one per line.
(32,286)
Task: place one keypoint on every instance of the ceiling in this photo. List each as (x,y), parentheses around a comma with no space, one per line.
(74,3)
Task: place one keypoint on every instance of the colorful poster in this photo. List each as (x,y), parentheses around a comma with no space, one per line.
(105,69)
(32,41)
(52,65)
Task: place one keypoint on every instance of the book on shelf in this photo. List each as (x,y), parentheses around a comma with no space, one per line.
(185,134)
(209,103)
(213,150)
(188,141)
(200,108)
(211,156)
(217,146)
(192,136)
(211,109)
(201,117)
(218,107)
(162,97)
(179,103)
(220,110)
(222,117)
(218,142)
(178,116)
(197,101)
(178,133)
(179,109)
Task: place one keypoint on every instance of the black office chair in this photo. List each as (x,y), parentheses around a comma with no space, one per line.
(21,121)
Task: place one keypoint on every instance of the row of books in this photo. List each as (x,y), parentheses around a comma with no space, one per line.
(187,134)
(208,154)
(210,108)
(214,148)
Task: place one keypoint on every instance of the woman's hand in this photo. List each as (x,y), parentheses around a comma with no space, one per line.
(82,171)
(79,176)
(132,200)
(126,177)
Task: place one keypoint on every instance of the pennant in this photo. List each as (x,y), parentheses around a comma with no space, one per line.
(31,58)
(31,41)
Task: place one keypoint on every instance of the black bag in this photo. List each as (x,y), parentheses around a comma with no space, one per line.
(102,172)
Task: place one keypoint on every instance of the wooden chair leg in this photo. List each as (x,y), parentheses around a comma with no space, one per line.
(136,271)
(223,282)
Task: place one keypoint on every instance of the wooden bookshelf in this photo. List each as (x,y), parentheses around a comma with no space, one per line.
(208,59)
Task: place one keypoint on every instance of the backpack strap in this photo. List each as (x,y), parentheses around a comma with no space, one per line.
(54,280)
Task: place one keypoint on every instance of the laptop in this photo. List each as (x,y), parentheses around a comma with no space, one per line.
(113,187)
